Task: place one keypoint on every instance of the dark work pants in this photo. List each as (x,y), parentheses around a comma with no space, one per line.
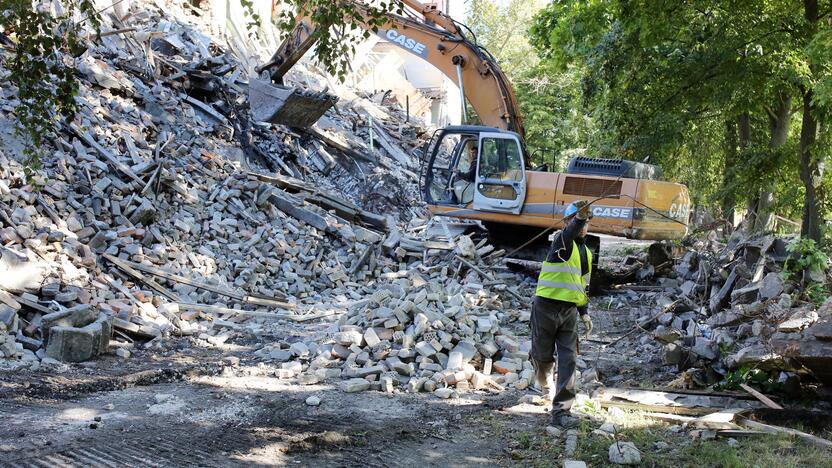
(554,326)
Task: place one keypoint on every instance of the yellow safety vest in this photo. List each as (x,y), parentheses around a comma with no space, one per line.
(563,281)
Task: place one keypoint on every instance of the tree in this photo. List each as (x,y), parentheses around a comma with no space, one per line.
(46,42)
(549,98)
(700,85)
(338,24)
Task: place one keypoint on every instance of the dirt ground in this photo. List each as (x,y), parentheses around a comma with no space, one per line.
(200,411)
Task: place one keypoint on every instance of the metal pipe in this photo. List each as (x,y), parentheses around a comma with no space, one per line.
(461,92)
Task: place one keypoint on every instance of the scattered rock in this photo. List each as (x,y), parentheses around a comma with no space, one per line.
(624,453)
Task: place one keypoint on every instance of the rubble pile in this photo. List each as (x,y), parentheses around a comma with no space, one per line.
(155,212)
(722,308)
(425,329)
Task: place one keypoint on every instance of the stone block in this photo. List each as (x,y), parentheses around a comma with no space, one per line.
(75,317)
(355,385)
(772,286)
(624,453)
(73,344)
(370,337)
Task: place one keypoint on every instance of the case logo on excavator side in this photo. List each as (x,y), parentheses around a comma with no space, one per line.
(404,42)
(611,212)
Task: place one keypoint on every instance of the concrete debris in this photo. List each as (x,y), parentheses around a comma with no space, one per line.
(624,453)
(731,308)
(571,443)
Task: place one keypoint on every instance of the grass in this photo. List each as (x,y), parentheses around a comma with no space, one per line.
(539,449)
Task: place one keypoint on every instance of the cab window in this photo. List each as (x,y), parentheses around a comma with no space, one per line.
(500,159)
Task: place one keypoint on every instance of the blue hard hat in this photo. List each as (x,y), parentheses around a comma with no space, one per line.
(571,209)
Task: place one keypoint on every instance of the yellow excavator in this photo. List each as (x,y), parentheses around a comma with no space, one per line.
(481,171)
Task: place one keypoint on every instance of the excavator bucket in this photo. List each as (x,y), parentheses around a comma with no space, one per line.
(287,106)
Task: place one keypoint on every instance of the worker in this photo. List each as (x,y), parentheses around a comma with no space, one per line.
(559,299)
(465,173)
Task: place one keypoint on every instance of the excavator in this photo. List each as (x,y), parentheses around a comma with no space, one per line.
(482,172)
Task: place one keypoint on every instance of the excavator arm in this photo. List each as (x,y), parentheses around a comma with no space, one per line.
(435,37)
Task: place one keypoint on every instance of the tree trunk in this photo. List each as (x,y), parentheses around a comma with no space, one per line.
(778,124)
(729,199)
(811,173)
(811,167)
(744,130)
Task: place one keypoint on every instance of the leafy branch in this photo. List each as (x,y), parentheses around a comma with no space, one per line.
(42,67)
(336,23)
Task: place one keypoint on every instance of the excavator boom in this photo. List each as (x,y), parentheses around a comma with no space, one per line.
(482,172)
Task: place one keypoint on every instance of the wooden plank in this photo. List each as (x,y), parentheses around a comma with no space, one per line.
(343,208)
(207,109)
(269,302)
(31,304)
(764,399)
(138,276)
(218,310)
(250,299)
(667,417)
(754,425)
(363,259)
(291,208)
(110,157)
(392,149)
(342,147)
(487,276)
(181,279)
(9,300)
(659,408)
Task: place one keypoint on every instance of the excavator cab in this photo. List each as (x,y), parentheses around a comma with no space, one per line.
(476,168)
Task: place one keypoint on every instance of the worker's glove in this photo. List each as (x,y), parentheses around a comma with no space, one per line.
(583,209)
(587,324)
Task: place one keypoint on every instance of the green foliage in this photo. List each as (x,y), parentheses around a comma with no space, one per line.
(42,67)
(752,376)
(549,97)
(809,258)
(254,19)
(501,27)
(338,23)
(665,79)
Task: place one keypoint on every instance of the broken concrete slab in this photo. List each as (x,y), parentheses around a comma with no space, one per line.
(73,344)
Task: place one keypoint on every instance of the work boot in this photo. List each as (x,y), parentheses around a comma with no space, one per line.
(543,376)
(563,420)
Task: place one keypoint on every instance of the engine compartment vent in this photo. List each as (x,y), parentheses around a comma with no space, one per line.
(613,168)
(585,187)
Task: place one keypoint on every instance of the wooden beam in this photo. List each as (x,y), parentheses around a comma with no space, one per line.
(487,276)
(764,399)
(242,297)
(110,157)
(392,149)
(138,276)
(211,309)
(754,425)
